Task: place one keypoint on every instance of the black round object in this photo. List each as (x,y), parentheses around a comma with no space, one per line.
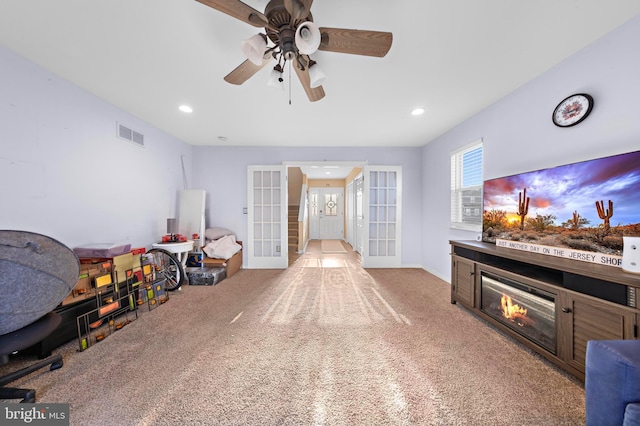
(36,274)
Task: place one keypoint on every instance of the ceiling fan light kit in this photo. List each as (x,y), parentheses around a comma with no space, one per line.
(308,38)
(253,48)
(316,75)
(289,25)
(275,78)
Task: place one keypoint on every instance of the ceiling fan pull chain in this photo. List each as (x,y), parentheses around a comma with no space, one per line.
(289,82)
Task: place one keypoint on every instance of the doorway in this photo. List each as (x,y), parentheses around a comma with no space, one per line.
(378,202)
(326,213)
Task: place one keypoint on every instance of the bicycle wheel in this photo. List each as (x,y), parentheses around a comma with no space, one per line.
(167,267)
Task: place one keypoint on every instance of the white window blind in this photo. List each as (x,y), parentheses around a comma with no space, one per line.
(466,187)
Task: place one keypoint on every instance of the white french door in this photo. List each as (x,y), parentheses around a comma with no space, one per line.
(267,217)
(326,213)
(382,230)
(359,212)
(350,218)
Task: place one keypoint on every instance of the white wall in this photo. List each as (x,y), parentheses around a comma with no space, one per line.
(222,172)
(63,171)
(519,136)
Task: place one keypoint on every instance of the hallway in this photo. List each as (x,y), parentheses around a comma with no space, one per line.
(314,253)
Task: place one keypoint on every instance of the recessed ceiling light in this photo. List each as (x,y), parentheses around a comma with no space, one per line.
(185,108)
(417,111)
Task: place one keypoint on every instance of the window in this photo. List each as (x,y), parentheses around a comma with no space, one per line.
(466,187)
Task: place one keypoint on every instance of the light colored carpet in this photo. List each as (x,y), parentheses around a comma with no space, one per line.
(321,343)
(332,246)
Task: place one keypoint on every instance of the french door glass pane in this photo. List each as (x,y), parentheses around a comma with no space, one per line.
(382,231)
(382,196)
(391,217)
(382,248)
(392,200)
(382,179)
(257,196)
(382,214)
(373,196)
(373,230)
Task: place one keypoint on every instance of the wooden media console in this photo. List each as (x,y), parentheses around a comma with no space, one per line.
(551,304)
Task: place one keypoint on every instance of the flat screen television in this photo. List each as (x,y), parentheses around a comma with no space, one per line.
(578,210)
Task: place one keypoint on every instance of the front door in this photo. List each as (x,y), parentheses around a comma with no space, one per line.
(326,213)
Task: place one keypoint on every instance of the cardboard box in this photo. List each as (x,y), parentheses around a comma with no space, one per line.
(231,265)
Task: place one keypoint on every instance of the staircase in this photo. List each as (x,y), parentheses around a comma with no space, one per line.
(293,229)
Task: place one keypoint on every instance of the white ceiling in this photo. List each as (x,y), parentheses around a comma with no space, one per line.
(451,57)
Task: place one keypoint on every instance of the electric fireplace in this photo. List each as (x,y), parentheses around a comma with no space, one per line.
(529,311)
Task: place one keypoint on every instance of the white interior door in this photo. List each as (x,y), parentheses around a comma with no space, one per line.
(349,211)
(359,212)
(267,217)
(382,228)
(326,213)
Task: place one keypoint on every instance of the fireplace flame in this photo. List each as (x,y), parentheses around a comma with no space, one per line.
(511,311)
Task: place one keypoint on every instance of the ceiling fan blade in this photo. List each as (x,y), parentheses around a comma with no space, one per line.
(307,4)
(314,94)
(238,10)
(297,9)
(356,42)
(245,71)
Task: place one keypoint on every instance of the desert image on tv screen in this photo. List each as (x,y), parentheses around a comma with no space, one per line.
(586,206)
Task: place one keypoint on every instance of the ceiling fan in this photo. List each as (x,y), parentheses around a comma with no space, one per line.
(289,26)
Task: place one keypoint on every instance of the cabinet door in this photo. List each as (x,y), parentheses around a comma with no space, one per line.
(583,318)
(463,281)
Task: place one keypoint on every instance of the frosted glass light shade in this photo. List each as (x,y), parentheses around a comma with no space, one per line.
(275,80)
(253,48)
(307,38)
(316,76)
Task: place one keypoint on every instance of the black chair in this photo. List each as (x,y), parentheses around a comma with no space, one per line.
(36,274)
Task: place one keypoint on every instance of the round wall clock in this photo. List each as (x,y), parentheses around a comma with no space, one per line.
(572,110)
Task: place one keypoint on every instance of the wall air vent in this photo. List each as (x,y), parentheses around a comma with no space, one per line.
(130,135)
